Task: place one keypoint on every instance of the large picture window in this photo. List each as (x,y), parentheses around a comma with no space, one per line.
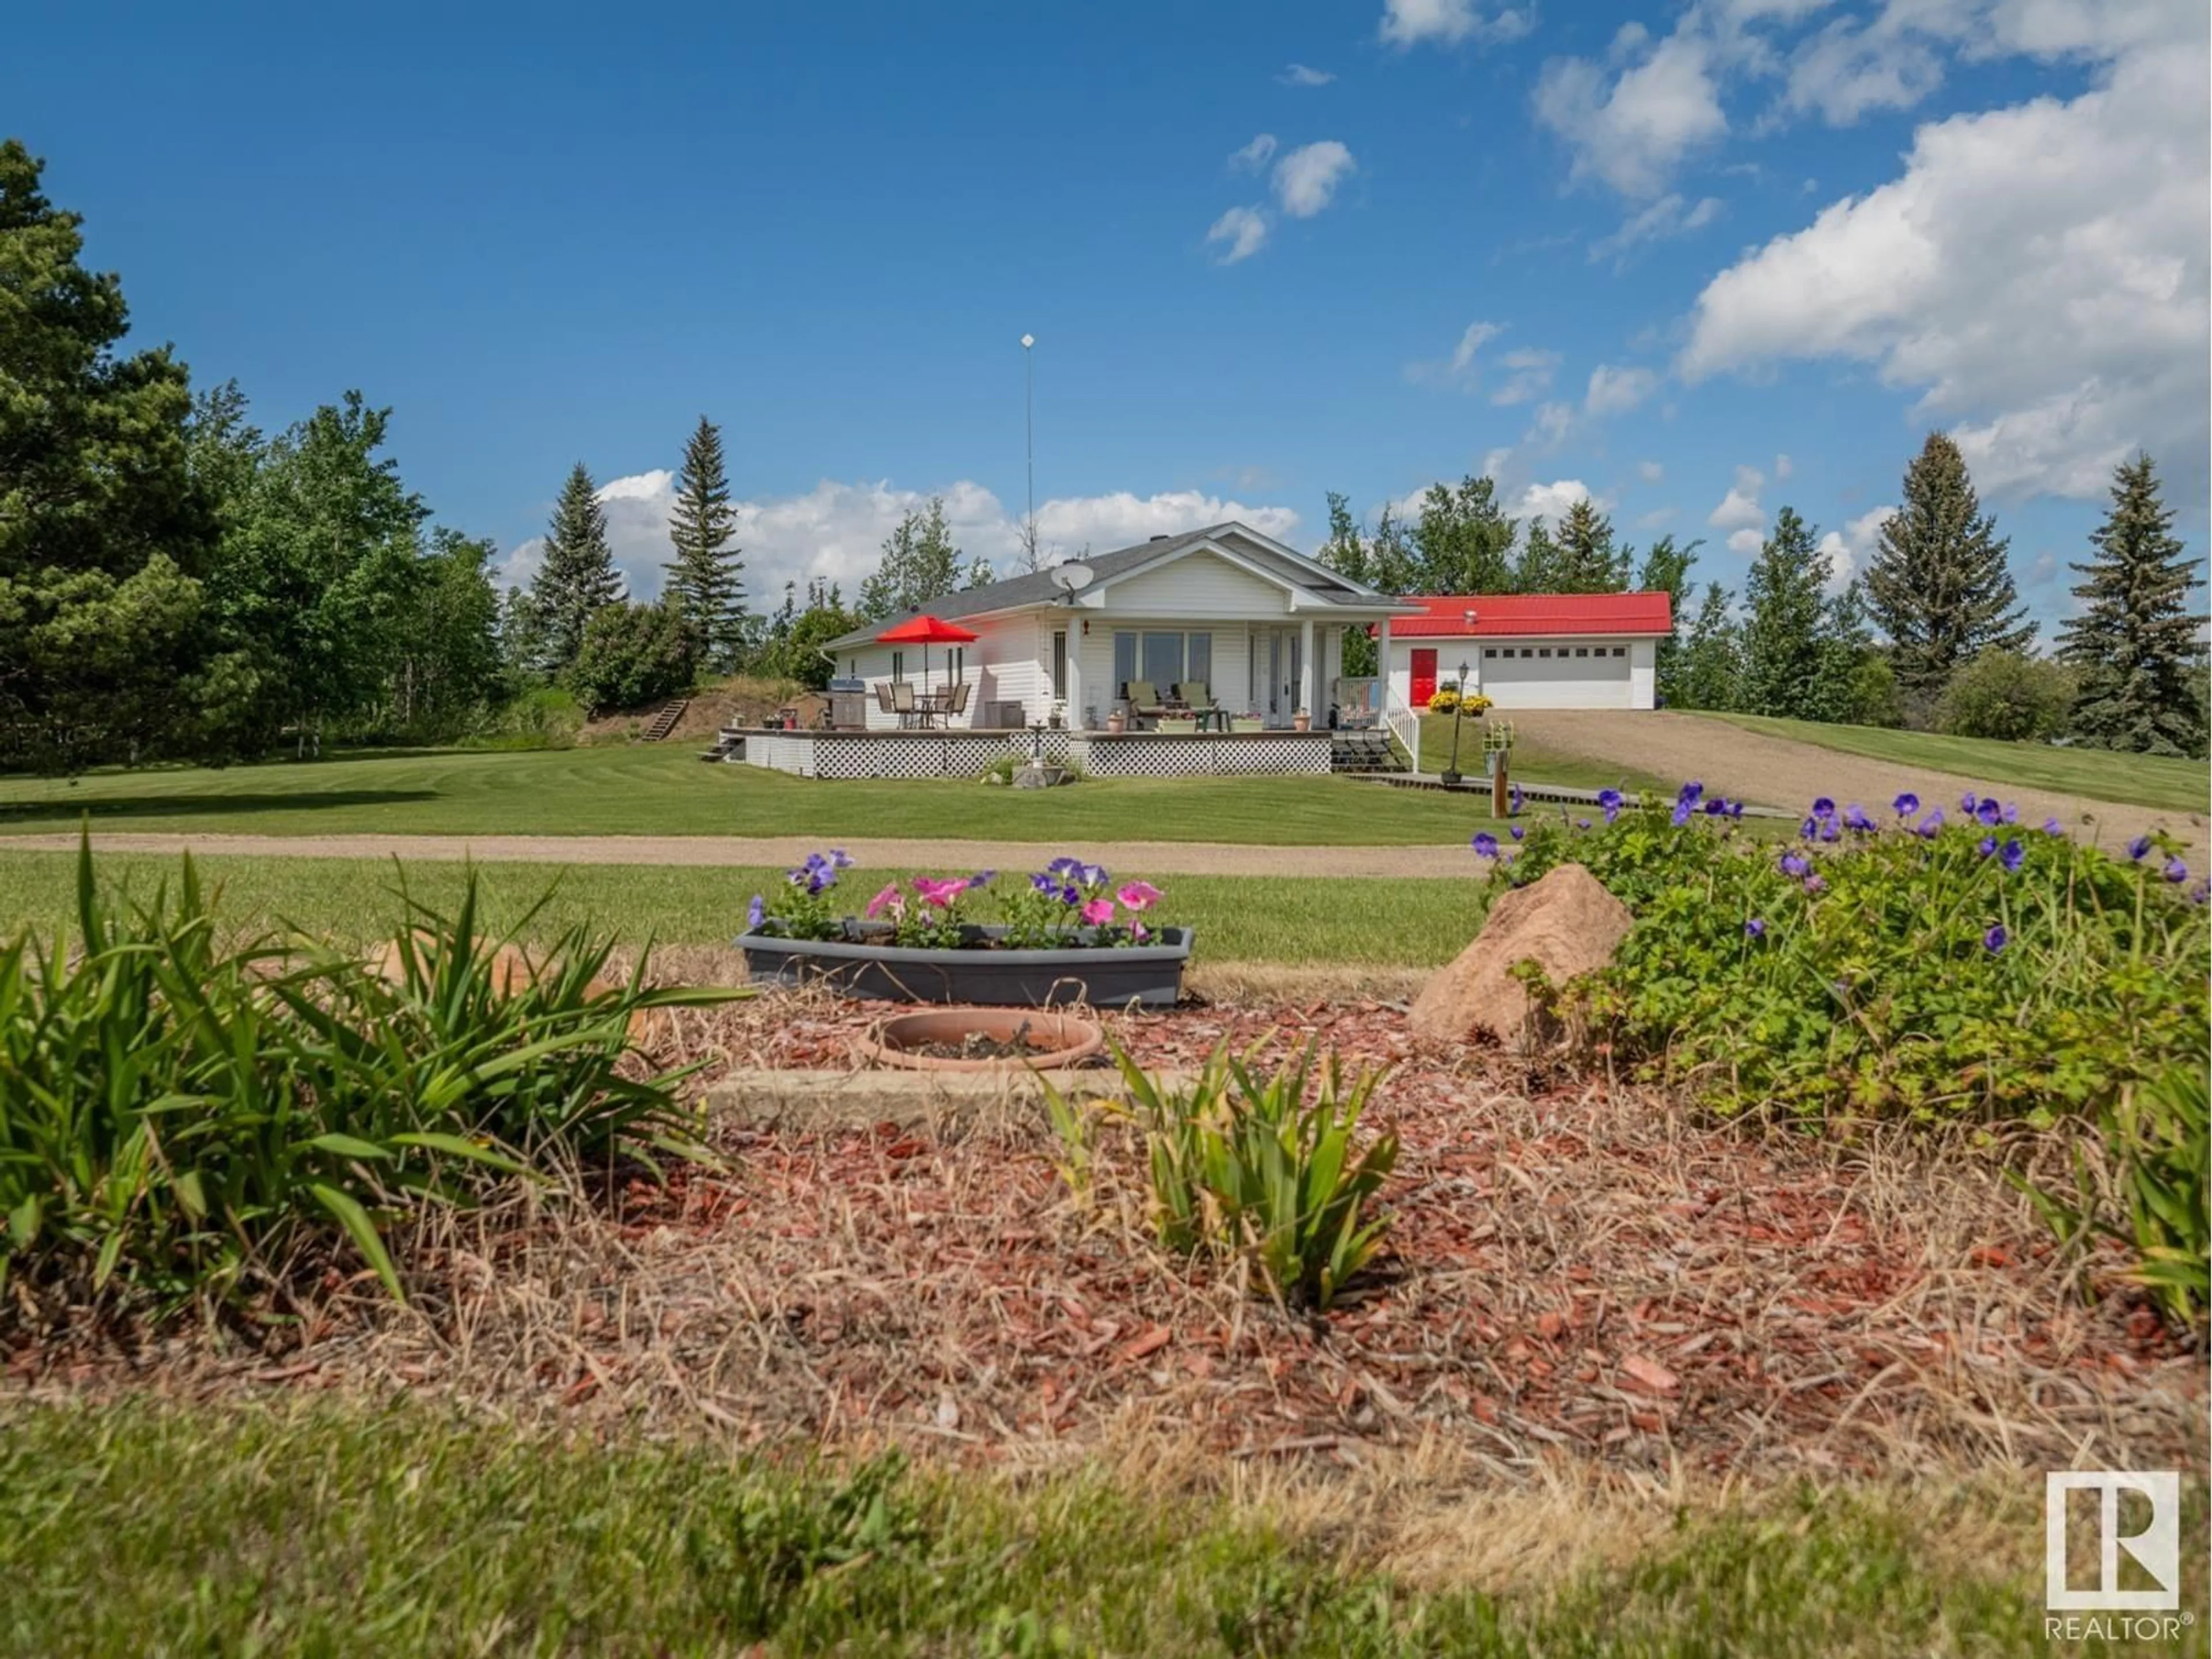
(1163,657)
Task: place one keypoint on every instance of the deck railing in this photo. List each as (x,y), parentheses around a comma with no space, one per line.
(1405,726)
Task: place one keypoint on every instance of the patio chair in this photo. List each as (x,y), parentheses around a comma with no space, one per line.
(1143,700)
(1197,696)
(883,697)
(902,702)
(957,702)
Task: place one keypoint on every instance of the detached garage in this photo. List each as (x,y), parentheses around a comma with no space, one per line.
(1531,650)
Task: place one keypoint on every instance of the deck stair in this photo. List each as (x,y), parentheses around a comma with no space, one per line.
(729,745)
(665,721)
(1367,751)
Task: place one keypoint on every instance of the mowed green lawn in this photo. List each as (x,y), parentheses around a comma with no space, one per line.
(652,790)
(1374,922)
(2140,780)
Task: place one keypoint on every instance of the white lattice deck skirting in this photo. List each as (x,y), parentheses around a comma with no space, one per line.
(898,754)
(1201,754)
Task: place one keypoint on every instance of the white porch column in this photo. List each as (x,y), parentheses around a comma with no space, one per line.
(1309,693)
(1074,672)
(1383,671)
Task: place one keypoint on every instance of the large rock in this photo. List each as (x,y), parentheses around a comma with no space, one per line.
(1566,922)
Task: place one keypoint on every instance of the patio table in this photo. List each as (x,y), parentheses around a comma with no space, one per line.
(1216,720)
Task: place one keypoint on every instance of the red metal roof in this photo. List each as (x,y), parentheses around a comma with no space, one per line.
(1474,615)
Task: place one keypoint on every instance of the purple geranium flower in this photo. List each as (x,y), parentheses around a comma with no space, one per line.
(1045,881)
(1681,815)
(1716,807)
(2012,855)
(1691,792)
(1996,938)
(1927,827)
(755,914)
(1583,823)
(982,877)
(2138,847)
(1486,845)
(1794,866)
(1513,798)
(1823,808)
(2176,872)
(1987,845)
(1969,801)
(1735,809)
(1608,802)
(1857,821)
(1755,928)
(1991,813)
(1517,831)
(1906,804)
(2053,827)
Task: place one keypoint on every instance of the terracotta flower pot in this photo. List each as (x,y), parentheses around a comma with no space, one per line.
(1055,1041)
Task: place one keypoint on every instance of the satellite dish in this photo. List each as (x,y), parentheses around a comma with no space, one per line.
(1072,578)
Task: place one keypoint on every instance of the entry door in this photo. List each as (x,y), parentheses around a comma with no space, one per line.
(1277,672)
(1424,676)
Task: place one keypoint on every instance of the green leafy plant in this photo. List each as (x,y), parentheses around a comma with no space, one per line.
(1248,1164)
(183,1114)
(2155,1197)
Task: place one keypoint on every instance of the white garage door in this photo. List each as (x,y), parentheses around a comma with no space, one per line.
(1556,676)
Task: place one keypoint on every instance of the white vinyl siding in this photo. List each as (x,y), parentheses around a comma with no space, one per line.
(1197,586)
(1610,672)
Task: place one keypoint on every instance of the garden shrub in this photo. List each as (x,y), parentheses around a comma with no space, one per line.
(634,654)
(1948,964)
(1256,1165)
(2005,695)
(182,1114)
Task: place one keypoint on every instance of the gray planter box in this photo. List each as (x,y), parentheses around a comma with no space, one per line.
(857,965)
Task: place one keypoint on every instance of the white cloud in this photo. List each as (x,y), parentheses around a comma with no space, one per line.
(1477,335)
(1254,155)
(1307,177)
(1244,231)
(1409,22)
(1845,70)
(1784,466)
(1650,471)
(1739,509)
(1461,368)
(2038,272)
(1530,376)
(1670,215)
(835,532)
(1747,541)
(1849,549)
(1657,517)
(1616,390)
(1550,502)
(1633,129)
(1297,74)
(1549,429)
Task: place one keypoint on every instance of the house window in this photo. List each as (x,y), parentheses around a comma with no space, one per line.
(1543,650)
(1619,650)
(898,665)
(1125,662)
(1491,650)
(1198,658)
(1060,665)
(1584,651)
(1163,660)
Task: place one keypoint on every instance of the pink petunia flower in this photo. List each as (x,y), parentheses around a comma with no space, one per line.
(1098,912)
(1138,895)
(888,899)
(939,893)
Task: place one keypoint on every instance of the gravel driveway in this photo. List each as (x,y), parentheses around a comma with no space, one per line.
(1778,772)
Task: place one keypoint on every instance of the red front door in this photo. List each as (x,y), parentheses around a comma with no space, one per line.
(1424,676)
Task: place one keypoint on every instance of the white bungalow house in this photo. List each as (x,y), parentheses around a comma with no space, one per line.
(1530,650)
(1259,624)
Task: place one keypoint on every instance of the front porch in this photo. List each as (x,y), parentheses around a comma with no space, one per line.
(964,754)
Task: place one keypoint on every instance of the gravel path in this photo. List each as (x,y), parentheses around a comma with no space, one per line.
(1777,771)
(1151,858)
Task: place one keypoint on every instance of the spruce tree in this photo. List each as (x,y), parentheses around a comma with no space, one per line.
(1537,569)
(1938,584)
(1783,635)
(576,574)
(706,579)
(2134,642)
(1588,562)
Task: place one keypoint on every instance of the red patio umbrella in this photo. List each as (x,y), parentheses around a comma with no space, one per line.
(925,631)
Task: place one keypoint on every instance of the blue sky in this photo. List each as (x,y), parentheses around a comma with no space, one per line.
(1699,261)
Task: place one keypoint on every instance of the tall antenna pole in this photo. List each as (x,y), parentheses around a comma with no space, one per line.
(1029,450)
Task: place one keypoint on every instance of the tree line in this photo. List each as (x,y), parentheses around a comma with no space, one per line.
(1932,635)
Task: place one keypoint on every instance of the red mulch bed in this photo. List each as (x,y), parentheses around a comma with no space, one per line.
(1577,1268)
